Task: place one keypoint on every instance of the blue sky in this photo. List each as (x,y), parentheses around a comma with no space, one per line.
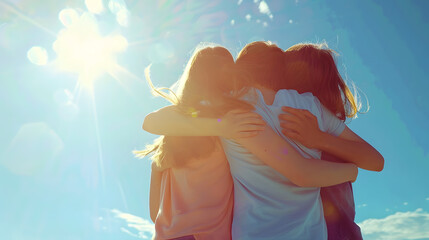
(66,168)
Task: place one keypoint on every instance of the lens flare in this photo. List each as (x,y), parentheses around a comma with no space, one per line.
(38,55)
(32,150)
(81,49)
(94,6)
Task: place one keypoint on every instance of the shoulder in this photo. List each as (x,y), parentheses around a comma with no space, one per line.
(290,97)
(292,93)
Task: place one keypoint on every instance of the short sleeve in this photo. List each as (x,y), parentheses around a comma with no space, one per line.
(331,123)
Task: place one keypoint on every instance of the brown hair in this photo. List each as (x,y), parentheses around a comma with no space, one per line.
(312,68)
(261,63)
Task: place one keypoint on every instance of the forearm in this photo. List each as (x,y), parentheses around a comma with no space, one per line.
(358,152)
(318,173)
(281,156)
(169,121)
(307,172)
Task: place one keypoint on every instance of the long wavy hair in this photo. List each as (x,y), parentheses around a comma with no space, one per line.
(305,67)
(311,68)
(207,88)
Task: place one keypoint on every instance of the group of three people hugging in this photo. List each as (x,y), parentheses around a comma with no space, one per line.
(257,148)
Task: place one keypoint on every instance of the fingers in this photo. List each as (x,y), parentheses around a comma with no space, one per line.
(291,110)
(252,121)
(293,114)
(308,114)
(292,135)
(248,115)
(251,127)
(289,118)
(249,118)
(290,126)
(247,134)
(239,111)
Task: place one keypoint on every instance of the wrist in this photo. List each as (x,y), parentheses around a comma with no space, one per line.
(322,139)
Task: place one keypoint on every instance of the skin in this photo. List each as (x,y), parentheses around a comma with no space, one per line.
(266,145)
(300,125)
(235,124)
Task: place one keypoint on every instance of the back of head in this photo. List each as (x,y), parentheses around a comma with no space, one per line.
(208,78)
(312,68)
(260,64)
(203,91)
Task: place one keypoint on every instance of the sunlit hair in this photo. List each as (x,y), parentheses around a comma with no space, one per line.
(311,68)
(260,64)
(206,89)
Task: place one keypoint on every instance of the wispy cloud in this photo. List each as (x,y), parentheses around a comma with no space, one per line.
(264,9)
(398,226)
(134,225)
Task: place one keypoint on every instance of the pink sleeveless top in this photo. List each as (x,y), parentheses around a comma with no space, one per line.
(196,200)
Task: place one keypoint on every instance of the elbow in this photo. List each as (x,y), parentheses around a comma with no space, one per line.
(147,123)
(377,163)
(380,164)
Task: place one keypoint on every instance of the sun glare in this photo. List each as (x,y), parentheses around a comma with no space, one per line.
(81,49)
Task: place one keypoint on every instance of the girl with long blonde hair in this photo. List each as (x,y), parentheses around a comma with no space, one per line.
(191,190)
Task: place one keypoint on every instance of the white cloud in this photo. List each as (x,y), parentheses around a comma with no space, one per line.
(264,9)
(248,17)
(398,226)
(134,225)
(232,22)
(239,2)
(405,203)
(265,24)
(290,21)
(427,198)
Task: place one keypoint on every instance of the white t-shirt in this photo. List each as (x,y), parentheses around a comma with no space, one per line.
(267,205)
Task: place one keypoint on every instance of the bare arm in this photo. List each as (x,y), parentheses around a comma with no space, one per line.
(235,124)
(281,156)
(349,146)
(301,125)
(155,192)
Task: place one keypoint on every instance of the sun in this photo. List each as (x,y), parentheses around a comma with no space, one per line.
(81,49)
